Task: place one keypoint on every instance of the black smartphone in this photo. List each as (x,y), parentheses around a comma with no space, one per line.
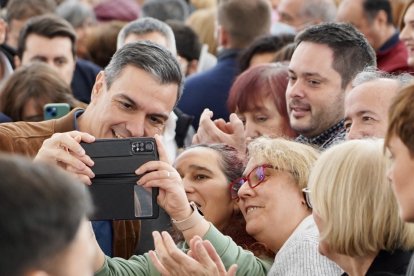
(55,110)
(114,188)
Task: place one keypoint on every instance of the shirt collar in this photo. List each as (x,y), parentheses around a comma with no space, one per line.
(228,53)
(390,42)
(327,138)
(75,118)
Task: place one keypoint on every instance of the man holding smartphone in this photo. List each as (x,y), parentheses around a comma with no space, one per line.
(132,97)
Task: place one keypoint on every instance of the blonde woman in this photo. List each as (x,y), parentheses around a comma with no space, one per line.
(356,212)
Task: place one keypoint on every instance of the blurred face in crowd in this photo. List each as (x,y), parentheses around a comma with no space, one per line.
(13,31)
(56,52)
(351,11)
(366,108)
(401,174)
(407,33)
(269,205)
(33,110)
(314,94)
(289,13)
(262,58)
(154,37)
(135,105)
(206,184)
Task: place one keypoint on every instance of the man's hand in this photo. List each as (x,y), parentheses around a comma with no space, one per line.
(202,258)
(172,197)
(220,131)
(64,150)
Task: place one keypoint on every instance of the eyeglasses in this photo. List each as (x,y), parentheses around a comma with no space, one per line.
(254,178)
(306,193)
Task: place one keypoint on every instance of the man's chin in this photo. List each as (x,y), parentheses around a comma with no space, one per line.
(301,125)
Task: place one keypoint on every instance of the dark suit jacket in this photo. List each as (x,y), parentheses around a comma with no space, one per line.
(210,89)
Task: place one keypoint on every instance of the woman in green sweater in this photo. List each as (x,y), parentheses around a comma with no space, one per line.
(205,171)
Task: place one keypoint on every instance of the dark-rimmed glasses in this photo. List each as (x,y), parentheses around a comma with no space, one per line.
(255,177)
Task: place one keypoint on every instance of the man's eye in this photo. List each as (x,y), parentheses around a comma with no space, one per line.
(60,62)
(125,105)
(291,78)
(314,82)
(156,120)
(367,118)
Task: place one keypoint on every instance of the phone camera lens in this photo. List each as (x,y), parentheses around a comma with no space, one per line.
(135,148)
(149,146)
(51,110)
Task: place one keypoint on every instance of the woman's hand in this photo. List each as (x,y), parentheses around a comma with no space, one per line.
(202,259)
(220,131)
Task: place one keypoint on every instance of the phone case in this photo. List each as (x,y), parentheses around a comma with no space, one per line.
(55,110)
(114,188)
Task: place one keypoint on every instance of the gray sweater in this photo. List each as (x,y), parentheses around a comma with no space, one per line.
(299,255)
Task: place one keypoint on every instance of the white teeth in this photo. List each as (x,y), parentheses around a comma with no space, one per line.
(251,209)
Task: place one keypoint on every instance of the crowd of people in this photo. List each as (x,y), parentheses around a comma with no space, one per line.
(284,131)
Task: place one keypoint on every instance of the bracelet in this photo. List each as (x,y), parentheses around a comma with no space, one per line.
(189,222)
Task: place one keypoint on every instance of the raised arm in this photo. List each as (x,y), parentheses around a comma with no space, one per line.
(220,131)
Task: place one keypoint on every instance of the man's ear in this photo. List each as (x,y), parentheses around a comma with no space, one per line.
(99,86)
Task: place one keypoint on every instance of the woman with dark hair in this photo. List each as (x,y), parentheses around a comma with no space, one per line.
(29,88)
(205,172)
(208,185)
